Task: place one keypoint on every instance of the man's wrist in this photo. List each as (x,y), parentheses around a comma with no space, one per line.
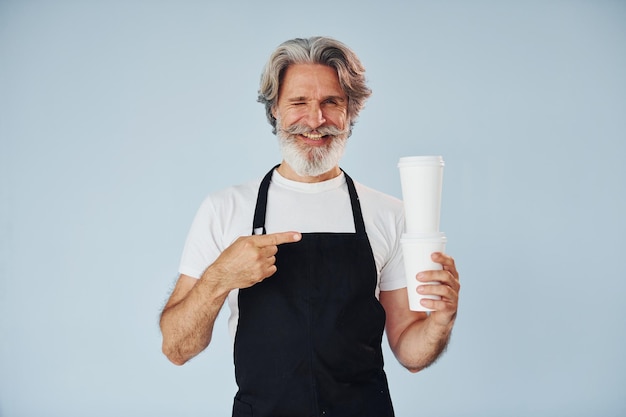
(212,283)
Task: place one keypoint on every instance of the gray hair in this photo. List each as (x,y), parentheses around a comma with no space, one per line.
(315,50)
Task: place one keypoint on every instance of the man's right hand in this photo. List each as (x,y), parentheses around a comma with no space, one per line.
(248,260)
(189,315)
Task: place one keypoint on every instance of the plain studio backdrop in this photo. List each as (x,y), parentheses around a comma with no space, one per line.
(118,117)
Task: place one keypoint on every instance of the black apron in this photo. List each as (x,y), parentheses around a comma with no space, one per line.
(308,341)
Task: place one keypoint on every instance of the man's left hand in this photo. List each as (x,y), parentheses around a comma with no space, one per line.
(446,308)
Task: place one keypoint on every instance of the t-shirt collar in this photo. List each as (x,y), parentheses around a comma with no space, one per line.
(306,187)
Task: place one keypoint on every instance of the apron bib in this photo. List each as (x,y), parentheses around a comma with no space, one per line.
(308,340)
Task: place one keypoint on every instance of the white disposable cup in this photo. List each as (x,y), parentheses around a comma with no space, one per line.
(421,178)
(417,249)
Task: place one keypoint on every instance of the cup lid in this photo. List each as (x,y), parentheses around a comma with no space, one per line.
(421,160)
(438,236)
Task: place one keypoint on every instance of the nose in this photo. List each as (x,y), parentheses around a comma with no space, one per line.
(315,116)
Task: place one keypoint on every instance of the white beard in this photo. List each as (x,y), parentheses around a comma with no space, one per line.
(309,161)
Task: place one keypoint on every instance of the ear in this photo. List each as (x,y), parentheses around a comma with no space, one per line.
(274,112)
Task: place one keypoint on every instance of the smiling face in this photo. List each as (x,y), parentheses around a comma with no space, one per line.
(312,122)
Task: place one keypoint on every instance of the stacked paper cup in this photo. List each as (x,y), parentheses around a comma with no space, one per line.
(421,178)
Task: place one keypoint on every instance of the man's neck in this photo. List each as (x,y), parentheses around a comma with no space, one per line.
(287,172)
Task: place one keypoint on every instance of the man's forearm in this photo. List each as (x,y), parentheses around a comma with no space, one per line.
(422,343)
(187,325)
(188,318)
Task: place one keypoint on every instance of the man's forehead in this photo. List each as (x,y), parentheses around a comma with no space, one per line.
(300,80)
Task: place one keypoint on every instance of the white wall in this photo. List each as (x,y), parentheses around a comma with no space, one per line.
(118,117)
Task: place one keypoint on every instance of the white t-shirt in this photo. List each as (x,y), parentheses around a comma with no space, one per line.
(295,206)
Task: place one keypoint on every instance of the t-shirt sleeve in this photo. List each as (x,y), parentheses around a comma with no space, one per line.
(392,275)
(203,244)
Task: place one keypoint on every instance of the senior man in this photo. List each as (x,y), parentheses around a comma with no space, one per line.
(309,260)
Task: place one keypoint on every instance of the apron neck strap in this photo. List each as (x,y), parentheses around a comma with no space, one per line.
(258,225)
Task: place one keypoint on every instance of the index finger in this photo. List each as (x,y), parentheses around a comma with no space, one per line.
(447,262)
(277,238)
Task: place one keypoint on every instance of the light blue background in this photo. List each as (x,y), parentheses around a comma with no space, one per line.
(118,117)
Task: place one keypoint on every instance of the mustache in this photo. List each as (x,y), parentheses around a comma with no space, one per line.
(323,130)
